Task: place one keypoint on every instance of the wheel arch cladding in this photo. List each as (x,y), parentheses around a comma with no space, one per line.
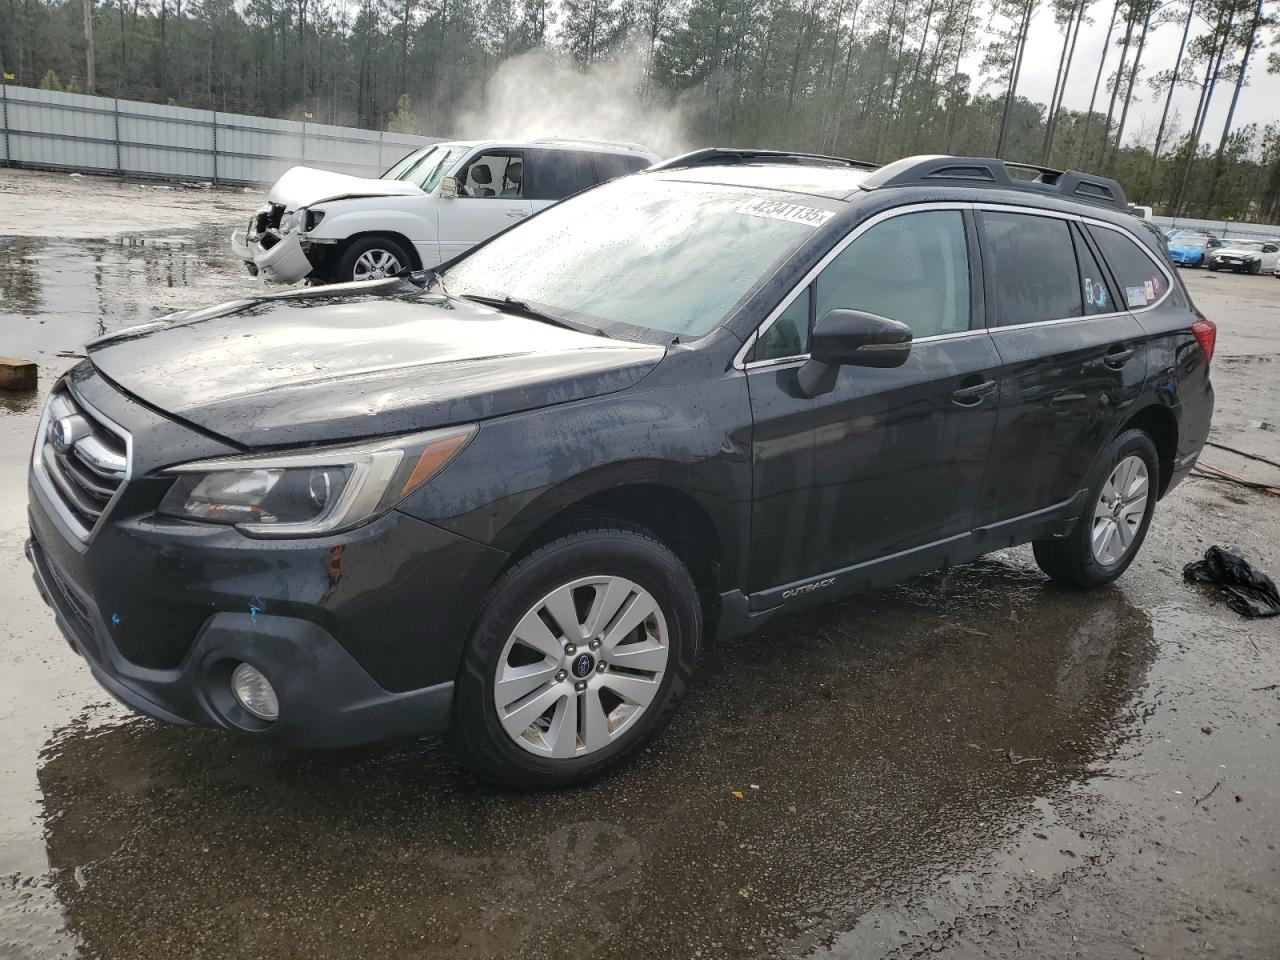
(672,516)
(1159,423)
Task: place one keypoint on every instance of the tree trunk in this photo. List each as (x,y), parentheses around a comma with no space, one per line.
(1133,78)
(1212,69)
(90,83)
(1131,19)
(1014,70)
(1235,98)
(1173,85)
(1097,82)
(1057,87)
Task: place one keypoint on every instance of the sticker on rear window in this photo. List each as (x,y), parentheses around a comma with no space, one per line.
(781,210)
(1135,296)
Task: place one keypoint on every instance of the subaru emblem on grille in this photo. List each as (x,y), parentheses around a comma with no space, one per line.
(65,432)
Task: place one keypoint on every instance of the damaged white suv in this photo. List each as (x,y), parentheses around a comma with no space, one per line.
(434,204)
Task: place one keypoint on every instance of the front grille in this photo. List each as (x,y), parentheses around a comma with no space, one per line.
(81,460)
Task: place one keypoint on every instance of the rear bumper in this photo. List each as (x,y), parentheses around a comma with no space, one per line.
(284,262)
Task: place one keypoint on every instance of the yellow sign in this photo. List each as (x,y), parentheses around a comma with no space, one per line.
(307,115)
(9,76)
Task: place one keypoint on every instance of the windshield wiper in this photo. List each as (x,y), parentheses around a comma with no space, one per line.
(511,305)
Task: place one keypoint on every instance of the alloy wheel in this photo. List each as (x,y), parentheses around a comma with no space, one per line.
(581,667)
(375,264)
(1118,514)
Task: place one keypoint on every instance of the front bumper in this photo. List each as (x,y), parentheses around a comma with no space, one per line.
(360,633)
(284,262)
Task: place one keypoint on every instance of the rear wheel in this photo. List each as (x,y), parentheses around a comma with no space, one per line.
(581,653)
(1120,504)
(371,258)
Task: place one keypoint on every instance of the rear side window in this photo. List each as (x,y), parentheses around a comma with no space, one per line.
(1141,282)
(556,174)
(1098,297)
(1032,267)
(913,268)
(610,165)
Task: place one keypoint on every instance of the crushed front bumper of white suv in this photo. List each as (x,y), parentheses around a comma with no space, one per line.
(272,249)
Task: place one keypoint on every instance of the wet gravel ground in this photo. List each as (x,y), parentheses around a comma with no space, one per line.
(973,764)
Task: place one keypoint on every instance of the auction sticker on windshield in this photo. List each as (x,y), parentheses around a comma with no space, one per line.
(781,210)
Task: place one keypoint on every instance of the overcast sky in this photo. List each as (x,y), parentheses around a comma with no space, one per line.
(1259,100)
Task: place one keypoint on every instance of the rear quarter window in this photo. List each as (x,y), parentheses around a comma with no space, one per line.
(1141,281)
(610,165)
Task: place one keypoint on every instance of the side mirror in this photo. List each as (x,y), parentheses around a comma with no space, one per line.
(851,338)
(449,188)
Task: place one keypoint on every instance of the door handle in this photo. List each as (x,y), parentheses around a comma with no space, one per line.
(1117,357)
(973,395)
(517,214)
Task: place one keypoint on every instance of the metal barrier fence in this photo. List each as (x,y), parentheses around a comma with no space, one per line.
(1220,228)
(48,129)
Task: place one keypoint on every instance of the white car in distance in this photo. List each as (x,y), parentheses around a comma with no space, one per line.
(1245,256)
(434,204)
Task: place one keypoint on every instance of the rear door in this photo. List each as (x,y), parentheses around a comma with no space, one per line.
(890,459)
(1072,358)
(491,197)
(556,174)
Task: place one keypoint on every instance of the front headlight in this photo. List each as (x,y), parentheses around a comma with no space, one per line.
(293,220)
(314,491)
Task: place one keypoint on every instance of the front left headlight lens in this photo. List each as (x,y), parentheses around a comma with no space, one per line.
(312,492)
(293,220)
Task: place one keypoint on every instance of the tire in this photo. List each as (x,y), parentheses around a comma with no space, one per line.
(1256,268)
(365,253)
(620,558)
(1213,268)
(1073,559)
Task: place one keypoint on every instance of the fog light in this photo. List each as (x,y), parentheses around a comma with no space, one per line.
(254,692)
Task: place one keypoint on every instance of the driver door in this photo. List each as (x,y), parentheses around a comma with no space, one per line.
(889,461)
(490,199)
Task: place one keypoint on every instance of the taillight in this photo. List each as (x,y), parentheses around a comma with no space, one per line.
(1206,333)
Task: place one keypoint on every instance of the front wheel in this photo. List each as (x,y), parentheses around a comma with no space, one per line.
(581,653)
(371,258)
(1119,507)
(1255,268)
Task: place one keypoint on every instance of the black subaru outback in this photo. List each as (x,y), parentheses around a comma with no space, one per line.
(513,497)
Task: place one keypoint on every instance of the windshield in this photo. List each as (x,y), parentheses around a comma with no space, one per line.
(661,255)
(1189,241)
(426,167)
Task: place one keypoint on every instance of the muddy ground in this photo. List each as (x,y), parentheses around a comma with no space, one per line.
(974,764)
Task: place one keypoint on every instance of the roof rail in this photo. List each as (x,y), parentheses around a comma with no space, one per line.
(595,143)
(729,155)
(990,172)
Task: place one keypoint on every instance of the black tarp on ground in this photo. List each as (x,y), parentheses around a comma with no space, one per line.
(1249,591)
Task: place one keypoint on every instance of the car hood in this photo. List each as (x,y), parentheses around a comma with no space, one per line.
(304,186)
(358,360)
(1186,251)
(1239,251)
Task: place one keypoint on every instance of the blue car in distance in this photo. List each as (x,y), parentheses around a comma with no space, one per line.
(1190,250)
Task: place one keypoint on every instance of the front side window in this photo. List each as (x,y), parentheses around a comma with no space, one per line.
(788,336)
(658,255)
(493,175)
(1032,268)
(1141,281)
(913,268)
